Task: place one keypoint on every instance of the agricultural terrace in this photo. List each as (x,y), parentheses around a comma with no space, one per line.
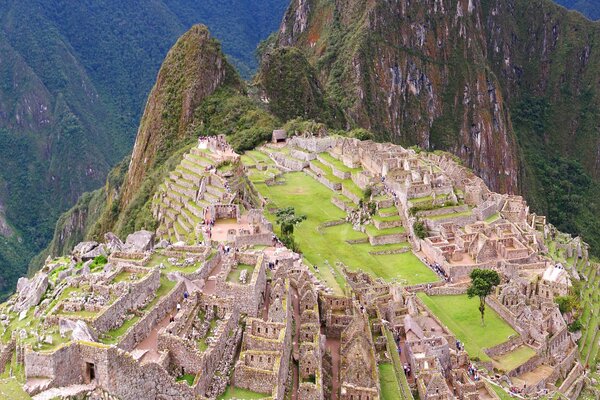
(325,246)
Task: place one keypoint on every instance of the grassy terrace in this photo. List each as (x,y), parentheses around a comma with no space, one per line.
(492,218)
(327,171)
(337,163)
(461,315)
(235,273)
(451,215)
(389,385)
(326,246)
(372,231)
(513,359)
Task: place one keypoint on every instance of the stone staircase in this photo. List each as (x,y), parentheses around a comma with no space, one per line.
(180,202)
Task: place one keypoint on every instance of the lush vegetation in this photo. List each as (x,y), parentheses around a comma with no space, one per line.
(482,283)
(74,80)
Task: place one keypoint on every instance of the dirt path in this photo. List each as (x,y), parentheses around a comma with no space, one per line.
(334,347)
(150,344)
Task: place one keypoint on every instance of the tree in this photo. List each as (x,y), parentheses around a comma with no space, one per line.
(482,283)
(287,219)
(420,229)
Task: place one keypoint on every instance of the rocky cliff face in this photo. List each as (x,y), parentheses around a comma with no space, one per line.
(413,72)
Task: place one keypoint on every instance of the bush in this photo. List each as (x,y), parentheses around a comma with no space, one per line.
(420,229)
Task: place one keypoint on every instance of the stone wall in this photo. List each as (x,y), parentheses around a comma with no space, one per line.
(144,326)
(249,295)
(139,293)
(504,313)
(256,239)
(6,354)
(387,239)
(505,347)
(335,186)
(64,366)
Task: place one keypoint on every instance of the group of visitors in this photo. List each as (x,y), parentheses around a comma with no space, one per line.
(473,373)
(439,270)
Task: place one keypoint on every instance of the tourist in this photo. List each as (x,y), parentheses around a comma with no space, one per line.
(171,318)
(185,295)
(178,307)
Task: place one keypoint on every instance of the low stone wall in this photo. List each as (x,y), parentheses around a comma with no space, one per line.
(505,347)
(333,186)
(350,195)
(144,326)
(302,155)
(446,291)
(425,287)
(339,203)
(288,162)
(256,239)
(206,269)
(139,294)
(387,239)
(387,224)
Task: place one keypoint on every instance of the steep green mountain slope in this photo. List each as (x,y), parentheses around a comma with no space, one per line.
(197,92)
(509,86)
(589,8)
(73,80)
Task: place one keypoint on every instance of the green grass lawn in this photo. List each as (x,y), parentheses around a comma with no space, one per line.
(11,389)
(389,385)
(323,245)
(237,393)
(513,359)
(461,315)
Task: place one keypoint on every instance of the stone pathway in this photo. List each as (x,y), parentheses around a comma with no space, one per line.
(334,346)
(66,391)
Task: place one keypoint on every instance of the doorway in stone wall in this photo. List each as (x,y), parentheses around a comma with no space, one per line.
(90,372)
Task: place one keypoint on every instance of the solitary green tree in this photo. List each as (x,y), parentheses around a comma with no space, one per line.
(482,283)
(287,219)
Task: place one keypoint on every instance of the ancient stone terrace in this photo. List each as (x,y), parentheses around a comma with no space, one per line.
(193,191)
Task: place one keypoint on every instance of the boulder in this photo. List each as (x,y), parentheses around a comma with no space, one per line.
(84,247)
(139,242)
(100,250)
(113,243)
(30,291)
(79,330)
